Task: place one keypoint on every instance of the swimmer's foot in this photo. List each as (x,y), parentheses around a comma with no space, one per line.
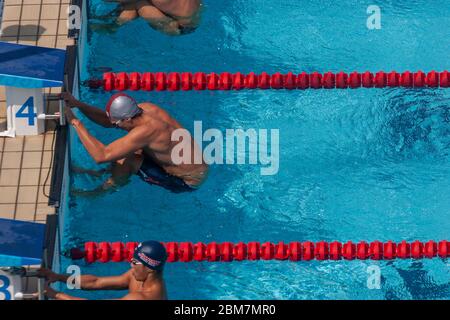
(168,29)
(108,16)
(107,187)
(109,27)
(94,173)
(92,193)
(104,28)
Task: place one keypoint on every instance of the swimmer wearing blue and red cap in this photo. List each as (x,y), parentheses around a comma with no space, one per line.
(146,150)
(144,280)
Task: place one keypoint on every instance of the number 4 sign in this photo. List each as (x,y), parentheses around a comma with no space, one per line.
(27,111)
(26,105)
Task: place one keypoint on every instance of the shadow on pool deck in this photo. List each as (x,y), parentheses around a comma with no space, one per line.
(28,32)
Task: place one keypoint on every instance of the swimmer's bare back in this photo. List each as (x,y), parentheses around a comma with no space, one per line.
(186,12)
(172,17)
(175,8)
(160,146)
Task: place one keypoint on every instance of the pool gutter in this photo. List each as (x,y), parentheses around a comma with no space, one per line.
(59,192)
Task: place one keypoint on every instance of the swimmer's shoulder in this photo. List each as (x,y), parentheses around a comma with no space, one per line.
(152,108)
(148,106)
(157,113)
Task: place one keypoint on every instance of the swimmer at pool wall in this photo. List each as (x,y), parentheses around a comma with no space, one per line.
(146,149)
(172,17)
(144,280)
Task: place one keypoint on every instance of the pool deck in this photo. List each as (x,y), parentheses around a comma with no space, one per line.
(26,161)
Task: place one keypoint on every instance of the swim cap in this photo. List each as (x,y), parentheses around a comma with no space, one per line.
(121,106)
(151,254)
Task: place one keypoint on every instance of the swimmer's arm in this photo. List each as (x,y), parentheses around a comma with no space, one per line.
(133,296)
(140,296)
(51,293)
(134,140)
(64,296)
(90,282)
(130,296)
(93,113)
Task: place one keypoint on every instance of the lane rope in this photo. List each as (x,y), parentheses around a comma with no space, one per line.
(293,251)
(185,81)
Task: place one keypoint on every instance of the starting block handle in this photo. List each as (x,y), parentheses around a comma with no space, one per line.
(28,296)
(57,116)
(62,117)
(43,116)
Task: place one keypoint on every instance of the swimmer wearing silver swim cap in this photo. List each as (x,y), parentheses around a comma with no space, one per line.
(121,107)
(147,148)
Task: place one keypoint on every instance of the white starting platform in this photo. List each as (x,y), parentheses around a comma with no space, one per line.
(24,72)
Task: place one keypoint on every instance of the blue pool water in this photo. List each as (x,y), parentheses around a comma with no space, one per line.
(354,164)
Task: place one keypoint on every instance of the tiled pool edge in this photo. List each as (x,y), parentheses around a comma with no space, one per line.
(24,198)
(59,185)
(59,195)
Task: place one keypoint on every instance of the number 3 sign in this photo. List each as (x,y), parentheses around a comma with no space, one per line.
(9,285)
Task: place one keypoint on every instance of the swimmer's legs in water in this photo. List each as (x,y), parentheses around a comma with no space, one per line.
(120,170)
(157,19)
(91,172)
(124,13)
(128,13)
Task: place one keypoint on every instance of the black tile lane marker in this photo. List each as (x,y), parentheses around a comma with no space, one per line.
(39,24)
(20,177)
(18,29)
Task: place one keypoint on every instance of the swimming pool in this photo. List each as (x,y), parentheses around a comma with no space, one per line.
(354,164)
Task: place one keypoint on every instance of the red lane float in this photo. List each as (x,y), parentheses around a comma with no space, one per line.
(174,81)
(293,251)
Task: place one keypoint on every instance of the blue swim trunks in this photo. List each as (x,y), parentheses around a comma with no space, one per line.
(152,173)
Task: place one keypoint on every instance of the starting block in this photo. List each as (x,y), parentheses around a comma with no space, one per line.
(24,72)
(21,244)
